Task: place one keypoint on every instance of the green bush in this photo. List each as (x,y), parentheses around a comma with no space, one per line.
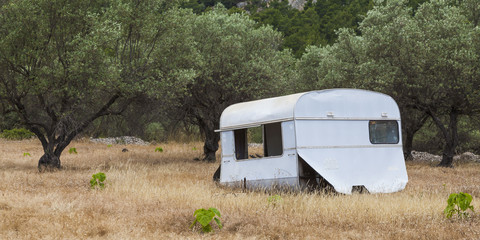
(204,217)
(458,203)
(72,150)
(274,200)
(16,134)
(97,180)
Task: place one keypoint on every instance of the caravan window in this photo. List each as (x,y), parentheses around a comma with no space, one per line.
(258,142)
(272,135)
(383,132)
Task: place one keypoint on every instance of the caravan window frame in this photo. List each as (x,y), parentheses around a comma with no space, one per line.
(374,137)
(277,146)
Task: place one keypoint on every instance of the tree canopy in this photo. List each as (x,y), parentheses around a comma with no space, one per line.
(428,61)
(231,60)
(64,64)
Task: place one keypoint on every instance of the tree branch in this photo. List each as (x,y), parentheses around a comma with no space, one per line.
(104,110)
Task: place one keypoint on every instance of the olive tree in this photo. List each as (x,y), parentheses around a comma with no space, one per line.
(432,58)
(231,60)
(345,65)
(64,64)
(428,61)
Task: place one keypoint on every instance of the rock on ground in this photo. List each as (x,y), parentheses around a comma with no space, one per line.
(428,157)
(120,140)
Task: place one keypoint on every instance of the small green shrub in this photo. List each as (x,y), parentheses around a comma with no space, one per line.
(458,203)
(97,180)
(109,145)
(204,217)
(25,154)
(72,150)
(16,134)
(274,200)
(158,149)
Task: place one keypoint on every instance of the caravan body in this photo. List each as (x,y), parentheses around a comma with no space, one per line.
(346,137)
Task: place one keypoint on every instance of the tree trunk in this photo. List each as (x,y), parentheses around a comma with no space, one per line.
(408,145)
(447,156)
(412,121)
(211,146)
(211,139)
(48,162)
(451,141)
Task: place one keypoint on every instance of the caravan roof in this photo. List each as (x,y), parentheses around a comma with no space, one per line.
(327,104)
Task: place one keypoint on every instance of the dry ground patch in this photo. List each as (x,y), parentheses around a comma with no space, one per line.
(152,195)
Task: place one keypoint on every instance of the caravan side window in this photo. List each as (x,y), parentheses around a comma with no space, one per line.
(383,132)
(258,142)
(272,136)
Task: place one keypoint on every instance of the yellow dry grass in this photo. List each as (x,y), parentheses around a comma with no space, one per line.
(152,195)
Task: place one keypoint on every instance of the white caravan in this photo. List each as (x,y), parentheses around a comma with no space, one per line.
(344,138)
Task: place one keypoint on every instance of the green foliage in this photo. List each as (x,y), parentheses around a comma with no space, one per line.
(155,131)
(66,63)
(26,154)
(109,145)
(316,24)
(72,150)
(458,203)
(225,59)
(255,135)
(16,134)
(158,149)
(428,139)
(98,180)
(194,5)
(204,217)
(274,200)
(410,57)
(8,118)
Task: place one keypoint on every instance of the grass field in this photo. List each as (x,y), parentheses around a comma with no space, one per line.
(152,195)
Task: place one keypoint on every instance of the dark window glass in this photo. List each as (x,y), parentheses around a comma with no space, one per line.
(258,142)
(241,145)
(383,132)
(272,134)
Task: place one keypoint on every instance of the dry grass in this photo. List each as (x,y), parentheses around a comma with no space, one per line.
(152,195)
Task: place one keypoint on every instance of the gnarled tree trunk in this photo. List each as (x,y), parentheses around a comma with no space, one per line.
(210,147)
(450,134)
(52,148)
(49,161)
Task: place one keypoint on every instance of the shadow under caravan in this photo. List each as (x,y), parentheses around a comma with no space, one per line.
(310,179)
